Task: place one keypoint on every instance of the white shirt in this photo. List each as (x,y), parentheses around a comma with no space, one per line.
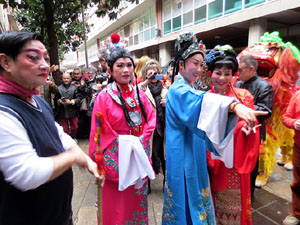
(19,162)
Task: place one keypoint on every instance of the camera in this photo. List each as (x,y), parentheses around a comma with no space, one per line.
(63,99)
(156,76)
(101,77)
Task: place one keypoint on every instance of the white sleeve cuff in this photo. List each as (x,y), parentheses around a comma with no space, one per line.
(215,122)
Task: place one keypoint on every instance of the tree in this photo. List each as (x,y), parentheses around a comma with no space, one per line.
(57,21)
(111,8)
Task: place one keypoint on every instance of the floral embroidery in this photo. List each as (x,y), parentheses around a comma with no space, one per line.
(168,211)
(111,156)
(146,145)
(207,212)
(140,218)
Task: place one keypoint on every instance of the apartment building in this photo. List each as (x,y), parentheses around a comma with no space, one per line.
(151,27)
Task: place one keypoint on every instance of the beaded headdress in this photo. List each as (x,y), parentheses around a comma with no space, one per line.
(221,53)
(187,44)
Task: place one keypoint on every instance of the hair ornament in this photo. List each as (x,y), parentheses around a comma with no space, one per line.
(218,53)
(213,54)
(116,42)
(115,38)
(194,47)
(201,45)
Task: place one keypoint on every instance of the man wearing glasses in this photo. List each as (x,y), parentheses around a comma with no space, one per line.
(262,92)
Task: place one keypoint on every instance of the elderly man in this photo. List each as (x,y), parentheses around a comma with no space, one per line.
(263,98)
(36,156)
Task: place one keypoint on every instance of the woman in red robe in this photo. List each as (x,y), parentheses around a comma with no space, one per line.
(230,176)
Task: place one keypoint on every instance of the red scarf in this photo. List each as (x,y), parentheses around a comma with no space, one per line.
(11,87)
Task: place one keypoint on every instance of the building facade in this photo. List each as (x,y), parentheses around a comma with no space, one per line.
(151,27)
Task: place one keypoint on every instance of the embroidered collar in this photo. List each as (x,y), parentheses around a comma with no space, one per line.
(135,116)
(129,100)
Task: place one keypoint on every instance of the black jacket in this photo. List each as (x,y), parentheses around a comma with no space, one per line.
(262,92)
(68,92)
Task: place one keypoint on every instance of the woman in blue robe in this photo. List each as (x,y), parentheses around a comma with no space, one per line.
(195,121)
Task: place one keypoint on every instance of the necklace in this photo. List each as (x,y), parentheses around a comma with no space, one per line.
(132,103)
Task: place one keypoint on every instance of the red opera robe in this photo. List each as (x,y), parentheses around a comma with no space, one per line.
(228,183)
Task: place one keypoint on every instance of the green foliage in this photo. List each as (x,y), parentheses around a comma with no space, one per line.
(31,14)
(110,8)
(68,29)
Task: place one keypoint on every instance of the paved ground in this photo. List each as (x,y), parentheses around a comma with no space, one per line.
(271,204)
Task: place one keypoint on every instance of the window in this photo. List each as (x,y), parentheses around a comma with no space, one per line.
(140,22)
(215,9)
(146,21)
(232,6)
(176,14)
(187,12)
(136,32)
(167,17)
(144,26)
(200,11)
(130,37)
(147,35)
(152,16)
(249,3)
(149,24)
(153,33)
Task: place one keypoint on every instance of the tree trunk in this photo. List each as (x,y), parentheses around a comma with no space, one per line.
(52,39)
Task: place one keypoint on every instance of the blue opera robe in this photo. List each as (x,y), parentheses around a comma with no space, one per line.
(187,195)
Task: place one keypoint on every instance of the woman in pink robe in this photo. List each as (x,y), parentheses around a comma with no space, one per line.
(126,111)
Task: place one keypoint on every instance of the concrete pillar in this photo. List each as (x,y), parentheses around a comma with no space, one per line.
(164,53)
(257,28)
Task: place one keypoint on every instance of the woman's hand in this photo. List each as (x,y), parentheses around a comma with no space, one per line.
(150,74)
(247,114)
(247,130)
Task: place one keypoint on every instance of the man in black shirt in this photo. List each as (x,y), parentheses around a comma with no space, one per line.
(263,98)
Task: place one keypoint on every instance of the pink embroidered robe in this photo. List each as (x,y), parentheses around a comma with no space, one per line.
(128,206)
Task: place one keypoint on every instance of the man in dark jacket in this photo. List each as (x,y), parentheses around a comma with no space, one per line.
(263,98)
(68,105)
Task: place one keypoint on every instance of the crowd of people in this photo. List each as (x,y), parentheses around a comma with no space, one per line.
(205,143)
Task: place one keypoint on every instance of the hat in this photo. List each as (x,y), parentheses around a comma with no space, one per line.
(221,53)
(187,45)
